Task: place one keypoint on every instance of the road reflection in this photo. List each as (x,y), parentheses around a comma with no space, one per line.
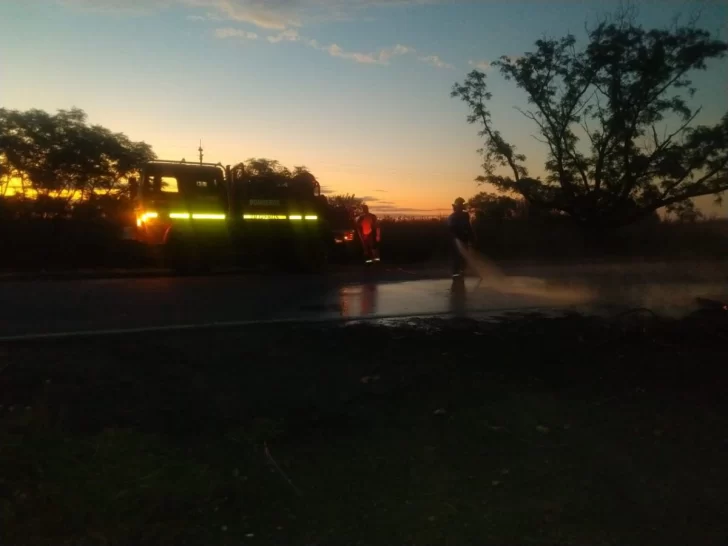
(458,297)
(359,300)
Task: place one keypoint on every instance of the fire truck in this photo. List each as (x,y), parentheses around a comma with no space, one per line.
(190,214)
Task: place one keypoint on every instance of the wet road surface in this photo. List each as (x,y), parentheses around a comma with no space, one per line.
(72,306)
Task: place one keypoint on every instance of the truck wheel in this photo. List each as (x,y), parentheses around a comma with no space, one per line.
(155,255)
(182,256)
(316,259)
(311,257)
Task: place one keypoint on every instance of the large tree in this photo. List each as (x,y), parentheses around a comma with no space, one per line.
(616,122)
(62,153)
(263,172)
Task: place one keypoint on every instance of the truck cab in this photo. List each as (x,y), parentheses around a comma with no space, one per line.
(174,198)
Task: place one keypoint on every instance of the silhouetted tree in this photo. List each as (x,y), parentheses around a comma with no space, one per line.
(271,171)
(602,112)
(496,207)
(350,202)
(5,175)
(302,178)
(260,167)
(61,153)
(262,170)
(684,211)
(301,170)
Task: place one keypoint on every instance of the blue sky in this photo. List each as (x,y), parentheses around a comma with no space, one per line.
(357,90)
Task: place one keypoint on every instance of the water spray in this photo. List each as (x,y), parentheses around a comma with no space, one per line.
(492,277)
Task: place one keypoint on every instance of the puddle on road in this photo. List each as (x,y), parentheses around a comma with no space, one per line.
(441,296)
(500,292)
(491,290)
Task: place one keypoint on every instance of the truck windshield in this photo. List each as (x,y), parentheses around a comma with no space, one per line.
(195,183)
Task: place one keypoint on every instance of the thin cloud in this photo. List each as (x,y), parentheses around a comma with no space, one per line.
(206,17)
(336,51)
(487,65)
(225,33)
(381,191)
(284,16)
(290,35)
(435,61)
(268,14)
(399,49)
(481,65)
(382,56)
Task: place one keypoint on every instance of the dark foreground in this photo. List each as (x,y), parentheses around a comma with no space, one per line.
(523,431)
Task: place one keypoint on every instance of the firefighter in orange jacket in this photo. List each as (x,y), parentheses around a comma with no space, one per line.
(368,227)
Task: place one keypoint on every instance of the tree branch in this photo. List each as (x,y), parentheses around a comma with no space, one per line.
(661,147)
(691,194)
(689,171)
(493,138)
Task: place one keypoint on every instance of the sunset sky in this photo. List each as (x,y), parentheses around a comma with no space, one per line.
(357,90)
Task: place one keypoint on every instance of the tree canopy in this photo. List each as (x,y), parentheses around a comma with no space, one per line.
(616,120)
(497,207)
(353,204)
(270,171)
(61,153)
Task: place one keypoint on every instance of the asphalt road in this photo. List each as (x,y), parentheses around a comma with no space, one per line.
(43,307)
(47,307)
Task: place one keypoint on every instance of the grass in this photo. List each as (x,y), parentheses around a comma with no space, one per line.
(527,431)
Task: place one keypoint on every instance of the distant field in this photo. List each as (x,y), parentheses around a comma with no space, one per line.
(412,241)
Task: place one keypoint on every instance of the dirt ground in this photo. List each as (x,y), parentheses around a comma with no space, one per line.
(524,430)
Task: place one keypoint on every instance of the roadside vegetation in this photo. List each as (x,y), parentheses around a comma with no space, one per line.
(595,431)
